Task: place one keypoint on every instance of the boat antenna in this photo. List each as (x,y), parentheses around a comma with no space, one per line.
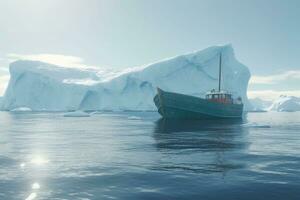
(220,71)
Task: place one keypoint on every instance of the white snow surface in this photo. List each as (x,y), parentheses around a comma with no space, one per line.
(286,104)
(46,87)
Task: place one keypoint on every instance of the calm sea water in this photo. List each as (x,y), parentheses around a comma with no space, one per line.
(135,155)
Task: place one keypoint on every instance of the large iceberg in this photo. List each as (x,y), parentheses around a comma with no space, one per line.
(44,87)
(286,104)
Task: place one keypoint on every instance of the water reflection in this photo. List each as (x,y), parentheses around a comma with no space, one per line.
(221,125)
(31,196)
(36,186)
(208,135)
(213,144)
(39,160)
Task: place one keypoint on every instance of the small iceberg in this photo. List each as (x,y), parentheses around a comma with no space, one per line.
(77,114)
(21,109)
(134,118)
(97,113)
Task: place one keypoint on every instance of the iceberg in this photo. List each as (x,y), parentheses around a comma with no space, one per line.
(77,113)
(134,118)
(21,109)
(258,105)
(286,104)
(46,87)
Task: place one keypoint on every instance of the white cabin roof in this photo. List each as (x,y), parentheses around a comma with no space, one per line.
(218,92)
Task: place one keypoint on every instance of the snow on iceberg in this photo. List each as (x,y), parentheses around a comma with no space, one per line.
(42,86)
(286,104)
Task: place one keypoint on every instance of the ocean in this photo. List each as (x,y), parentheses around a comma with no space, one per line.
(137,155)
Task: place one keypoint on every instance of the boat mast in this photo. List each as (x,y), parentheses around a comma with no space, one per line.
(220,71)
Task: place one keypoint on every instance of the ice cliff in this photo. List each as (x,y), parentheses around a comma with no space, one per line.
(41,86)
(286,104)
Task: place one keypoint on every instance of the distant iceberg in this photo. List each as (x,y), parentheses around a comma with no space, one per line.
(77,114)
(42,86)
(258,104)
(286,104)
(21,109)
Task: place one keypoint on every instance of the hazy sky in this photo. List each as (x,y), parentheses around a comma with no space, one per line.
(122,33)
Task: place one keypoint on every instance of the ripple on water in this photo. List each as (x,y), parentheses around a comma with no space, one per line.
(137,156)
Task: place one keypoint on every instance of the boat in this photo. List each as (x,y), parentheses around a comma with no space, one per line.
(216,104)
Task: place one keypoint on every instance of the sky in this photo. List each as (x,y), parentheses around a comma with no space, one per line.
(125,33)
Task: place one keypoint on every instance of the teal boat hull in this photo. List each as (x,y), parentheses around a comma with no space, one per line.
(172,105)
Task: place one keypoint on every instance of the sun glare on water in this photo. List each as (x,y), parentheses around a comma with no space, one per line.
(36,186)
(39,160)
(31,196)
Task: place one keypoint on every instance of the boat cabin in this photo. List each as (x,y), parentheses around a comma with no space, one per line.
(220,97)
